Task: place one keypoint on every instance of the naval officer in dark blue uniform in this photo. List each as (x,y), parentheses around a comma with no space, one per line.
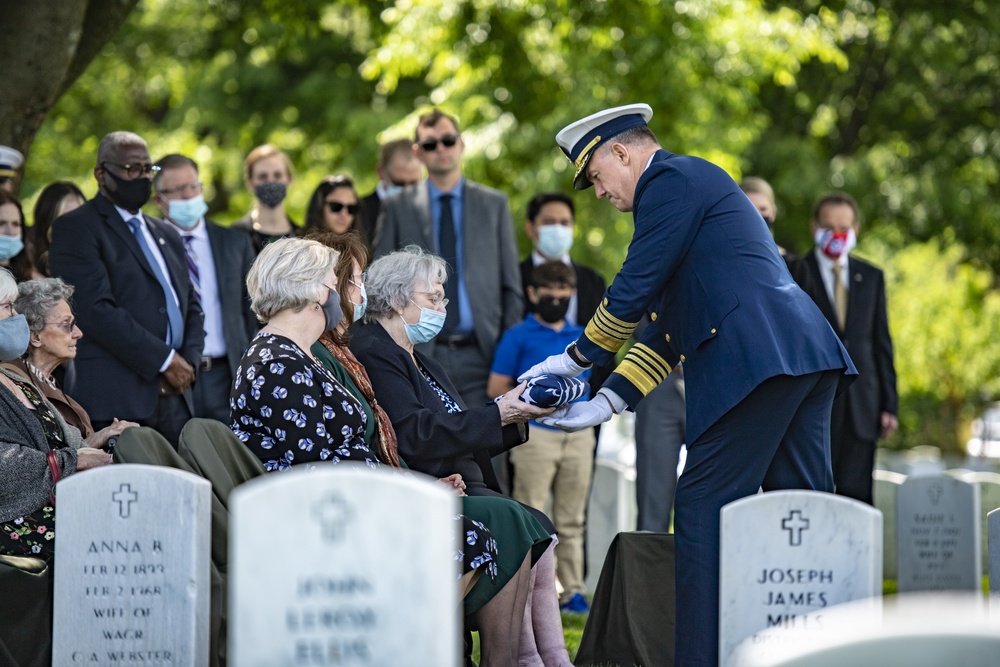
(761,363)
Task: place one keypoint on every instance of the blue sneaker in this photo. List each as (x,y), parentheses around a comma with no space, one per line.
(576,605)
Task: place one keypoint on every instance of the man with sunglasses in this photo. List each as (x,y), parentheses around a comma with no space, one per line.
(397,168)
(470,226)
(10,163)
(218,260)
(134,300)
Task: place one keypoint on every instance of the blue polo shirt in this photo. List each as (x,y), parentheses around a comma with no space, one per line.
(525,344)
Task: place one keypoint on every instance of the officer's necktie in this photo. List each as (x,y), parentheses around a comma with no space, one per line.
(191,257)
(175,334)
(839,296)
(448,247)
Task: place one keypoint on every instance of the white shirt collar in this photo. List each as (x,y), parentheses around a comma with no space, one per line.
(538,258)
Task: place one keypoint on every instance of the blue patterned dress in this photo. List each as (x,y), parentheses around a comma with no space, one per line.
(282,403)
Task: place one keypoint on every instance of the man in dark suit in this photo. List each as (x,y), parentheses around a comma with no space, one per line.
(761,364)
(218,260)
(397,168)
(470,226)
(142,322)
(851,294)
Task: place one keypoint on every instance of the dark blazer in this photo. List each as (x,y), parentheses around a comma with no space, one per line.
(431,440)
(704,266)
(866,337)
(491,273)
(232,253)
(369,208)
(121,309)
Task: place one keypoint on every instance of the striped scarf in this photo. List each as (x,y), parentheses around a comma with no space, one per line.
(387,446)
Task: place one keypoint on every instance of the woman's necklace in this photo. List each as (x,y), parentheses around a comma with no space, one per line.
(47,379)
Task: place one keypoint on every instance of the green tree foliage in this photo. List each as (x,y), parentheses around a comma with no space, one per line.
(944,315)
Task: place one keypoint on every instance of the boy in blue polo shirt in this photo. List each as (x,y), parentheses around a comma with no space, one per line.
(551,460)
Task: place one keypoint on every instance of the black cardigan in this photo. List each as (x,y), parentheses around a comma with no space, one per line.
(431,440)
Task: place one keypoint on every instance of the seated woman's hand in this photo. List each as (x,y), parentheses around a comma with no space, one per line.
(515,411)
(454,482)
(99,440)
(88,457)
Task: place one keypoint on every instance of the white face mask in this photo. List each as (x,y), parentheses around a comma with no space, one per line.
(554,241)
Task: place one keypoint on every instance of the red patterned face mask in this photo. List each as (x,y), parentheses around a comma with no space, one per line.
(834,244)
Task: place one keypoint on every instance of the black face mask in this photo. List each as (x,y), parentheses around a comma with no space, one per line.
(271,193)
(130,195)
(551,308)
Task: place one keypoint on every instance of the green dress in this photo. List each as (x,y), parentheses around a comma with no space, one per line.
(515,530)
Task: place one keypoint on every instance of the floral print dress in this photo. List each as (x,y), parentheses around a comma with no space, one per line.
(282,403)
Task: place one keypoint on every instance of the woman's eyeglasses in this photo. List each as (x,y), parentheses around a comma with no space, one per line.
(337,207)
(65,326)
(430,145)
(435,298)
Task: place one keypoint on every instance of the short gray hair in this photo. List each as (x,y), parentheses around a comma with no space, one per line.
(37,298)
(392,279)
(112,144)
(8,285)
(286,274)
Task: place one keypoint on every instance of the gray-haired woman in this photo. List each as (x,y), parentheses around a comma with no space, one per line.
(45,304)
(37,446)
(436,433)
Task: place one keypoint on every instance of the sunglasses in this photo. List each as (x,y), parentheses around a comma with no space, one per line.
(430,145)
(337,207)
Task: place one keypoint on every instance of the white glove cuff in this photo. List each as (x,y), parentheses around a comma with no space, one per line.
(618,404)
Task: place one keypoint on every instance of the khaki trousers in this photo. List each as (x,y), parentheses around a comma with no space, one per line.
(560,463)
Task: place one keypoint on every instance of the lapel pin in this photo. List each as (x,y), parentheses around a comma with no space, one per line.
(857,277)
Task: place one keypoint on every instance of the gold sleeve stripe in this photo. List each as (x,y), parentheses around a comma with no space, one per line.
(644,368)
(657,363)
(612,329)
(614,321)
(597,336)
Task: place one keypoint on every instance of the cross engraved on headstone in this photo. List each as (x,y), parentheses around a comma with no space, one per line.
(124,496)
(333,513)
(795,524)
(934,492)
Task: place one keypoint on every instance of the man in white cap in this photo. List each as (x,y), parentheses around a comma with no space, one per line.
(10,162)
(761,363)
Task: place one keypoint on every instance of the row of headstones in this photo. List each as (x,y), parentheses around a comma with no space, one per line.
(788,557)
(343,566)
(943,516)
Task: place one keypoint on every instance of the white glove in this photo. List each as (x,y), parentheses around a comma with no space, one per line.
(558,364)
(584,414)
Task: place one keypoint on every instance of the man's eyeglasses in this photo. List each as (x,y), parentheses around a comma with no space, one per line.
(193,188)
(135,170)
(65,326)
(9,305)
(436,298)
(430,145)
(337,207)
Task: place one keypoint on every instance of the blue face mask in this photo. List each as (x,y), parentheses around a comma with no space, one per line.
(427,327)
(554,241)
(187,212)
(393,189)
(14,336)
(359,308)
(10,246)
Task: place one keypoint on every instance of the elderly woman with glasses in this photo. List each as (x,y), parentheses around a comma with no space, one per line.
(52,338)
(333,206)
(37,446)
(437,433)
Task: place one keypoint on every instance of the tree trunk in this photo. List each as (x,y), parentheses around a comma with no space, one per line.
(44,47)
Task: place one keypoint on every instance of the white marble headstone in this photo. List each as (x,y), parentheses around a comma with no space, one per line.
(993,521)
(885,484)
(938,535)
(132,567)
(611,509)
(787,556)
(343,565)
(989,500)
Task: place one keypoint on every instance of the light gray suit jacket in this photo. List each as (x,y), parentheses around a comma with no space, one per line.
(492,275)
